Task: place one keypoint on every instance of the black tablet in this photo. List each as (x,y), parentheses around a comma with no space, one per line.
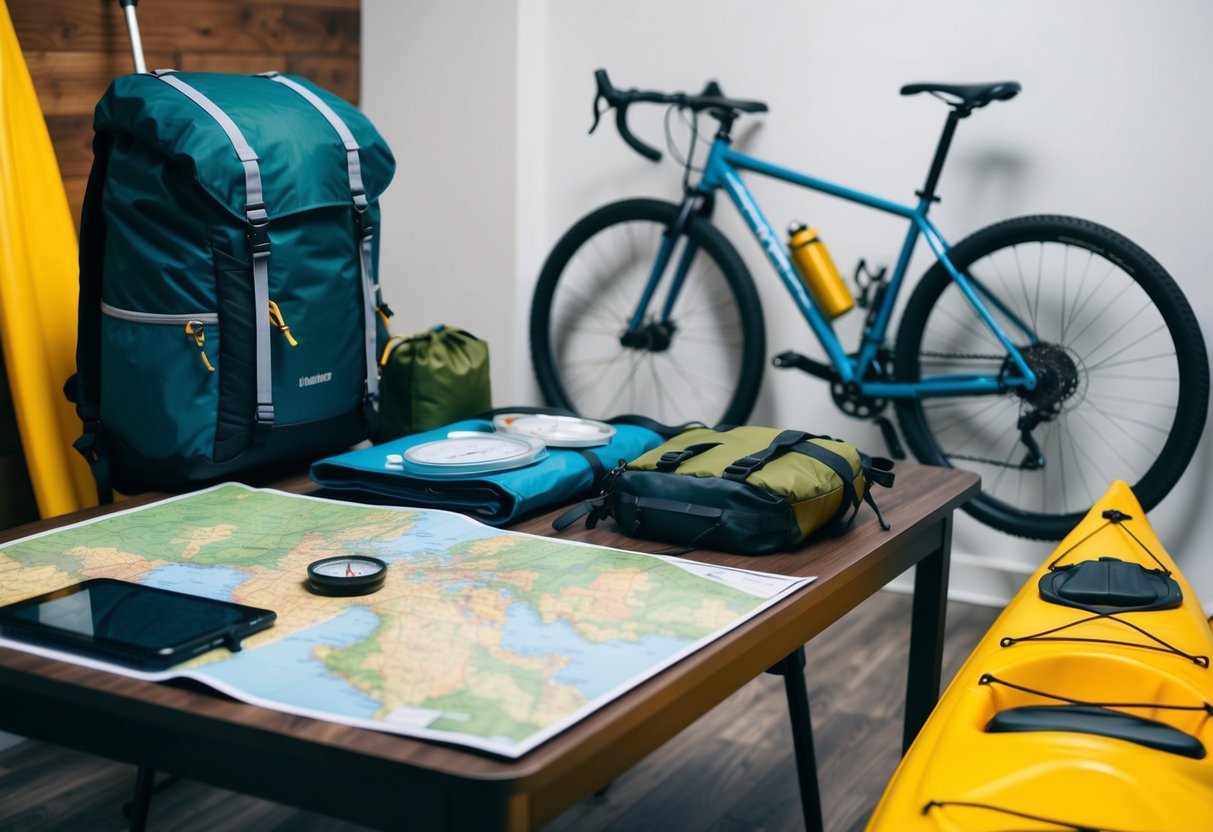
(131,624)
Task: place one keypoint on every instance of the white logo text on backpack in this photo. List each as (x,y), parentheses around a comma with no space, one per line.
(318,378)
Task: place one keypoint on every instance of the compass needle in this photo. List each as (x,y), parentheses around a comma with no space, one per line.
(344,575)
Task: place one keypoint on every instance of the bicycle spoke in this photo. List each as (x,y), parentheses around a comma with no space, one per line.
(1099,314)
(962,417)
(1106,354)
(1122,400)
(1093,431)
(1113,365)
(1130,346)
(1008,293)
(1068,322)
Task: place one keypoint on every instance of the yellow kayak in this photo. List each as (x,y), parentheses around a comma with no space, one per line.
(1086,705)
(38,289)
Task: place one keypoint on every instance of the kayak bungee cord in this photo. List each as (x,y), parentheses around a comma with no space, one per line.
(1045,635)
(1114,517)
(1061,824)
(991,679)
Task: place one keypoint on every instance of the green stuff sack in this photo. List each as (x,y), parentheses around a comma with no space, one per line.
(432,379)
(750,490)
(228,286)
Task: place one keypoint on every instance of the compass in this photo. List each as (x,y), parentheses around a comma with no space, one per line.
(472,452)
(346,575)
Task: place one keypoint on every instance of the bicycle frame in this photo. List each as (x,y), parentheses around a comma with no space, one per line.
(722,171)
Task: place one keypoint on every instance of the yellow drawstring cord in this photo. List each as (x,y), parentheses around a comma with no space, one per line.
(392,343)
(385,313)
(277,320)
(196,330)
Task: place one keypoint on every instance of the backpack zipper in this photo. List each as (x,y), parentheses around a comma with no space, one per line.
(194,325)
(279,323)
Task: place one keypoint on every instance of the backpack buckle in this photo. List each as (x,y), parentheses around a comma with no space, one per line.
(670,460)
(258,235)
(263,417)
(742,468)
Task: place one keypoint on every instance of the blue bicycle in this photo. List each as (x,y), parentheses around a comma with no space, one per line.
(1048,353)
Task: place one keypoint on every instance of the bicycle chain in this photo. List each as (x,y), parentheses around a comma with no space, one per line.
(975,357)
(997,462)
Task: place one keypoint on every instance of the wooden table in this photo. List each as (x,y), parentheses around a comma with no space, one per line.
(395,782)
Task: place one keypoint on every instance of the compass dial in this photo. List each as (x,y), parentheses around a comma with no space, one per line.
(346,575)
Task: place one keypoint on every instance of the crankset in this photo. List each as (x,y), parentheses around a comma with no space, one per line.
(847,397)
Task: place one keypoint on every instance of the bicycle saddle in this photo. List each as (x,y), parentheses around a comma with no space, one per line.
(967,96)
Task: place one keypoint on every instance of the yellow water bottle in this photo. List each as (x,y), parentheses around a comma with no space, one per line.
(818,271)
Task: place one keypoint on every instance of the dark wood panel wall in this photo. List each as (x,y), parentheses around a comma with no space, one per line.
(73,49)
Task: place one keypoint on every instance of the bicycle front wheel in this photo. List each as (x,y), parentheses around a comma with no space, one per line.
(1123,376)
(702,362)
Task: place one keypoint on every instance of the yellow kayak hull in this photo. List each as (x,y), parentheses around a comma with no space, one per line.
(38,289)
(960,776)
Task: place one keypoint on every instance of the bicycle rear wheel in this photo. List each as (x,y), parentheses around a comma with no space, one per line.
(1123,375)
(703,363)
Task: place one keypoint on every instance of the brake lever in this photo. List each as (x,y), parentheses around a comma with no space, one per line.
(598,112)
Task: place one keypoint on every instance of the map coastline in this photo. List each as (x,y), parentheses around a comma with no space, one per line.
(486,638)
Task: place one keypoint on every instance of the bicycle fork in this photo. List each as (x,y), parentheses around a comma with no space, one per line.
(658,332)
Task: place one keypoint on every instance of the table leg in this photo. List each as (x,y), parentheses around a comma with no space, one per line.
(792,671)
(141,805)
(926,634)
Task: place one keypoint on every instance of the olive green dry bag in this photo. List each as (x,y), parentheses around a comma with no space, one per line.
(430,380)
(750,490)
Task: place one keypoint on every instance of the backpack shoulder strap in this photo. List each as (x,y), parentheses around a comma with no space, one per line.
(258,237)
(371,295)
(83,388)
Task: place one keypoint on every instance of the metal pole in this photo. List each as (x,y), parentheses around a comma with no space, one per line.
(132,28)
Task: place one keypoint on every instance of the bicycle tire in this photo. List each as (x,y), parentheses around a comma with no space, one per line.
(711,367)
(1133,410)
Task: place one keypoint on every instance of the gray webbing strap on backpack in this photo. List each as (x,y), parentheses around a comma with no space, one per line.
(370,287)
(259,240)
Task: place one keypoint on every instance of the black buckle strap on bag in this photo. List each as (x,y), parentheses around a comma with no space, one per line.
(592,507)
(839,465)
(877,470)
(798,441)
(740,469)
(874,470)
(670,460)
(595,507)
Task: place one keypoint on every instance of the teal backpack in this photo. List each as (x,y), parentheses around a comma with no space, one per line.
(230,313)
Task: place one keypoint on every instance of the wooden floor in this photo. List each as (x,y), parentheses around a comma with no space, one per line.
(732,770)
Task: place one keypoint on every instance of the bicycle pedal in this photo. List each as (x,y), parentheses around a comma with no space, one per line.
(890,437)
(793,360)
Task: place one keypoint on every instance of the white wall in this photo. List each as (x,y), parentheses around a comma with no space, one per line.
(1113,124)
(438,81)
